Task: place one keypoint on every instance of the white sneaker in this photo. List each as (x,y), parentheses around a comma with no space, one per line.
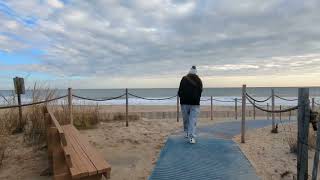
(192,141)
(186,135)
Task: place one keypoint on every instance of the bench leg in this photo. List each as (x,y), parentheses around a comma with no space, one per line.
(59,166)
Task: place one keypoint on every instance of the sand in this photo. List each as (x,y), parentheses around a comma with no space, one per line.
(270,154)
(132,151)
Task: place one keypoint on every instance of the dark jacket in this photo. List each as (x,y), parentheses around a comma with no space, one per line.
(190,90)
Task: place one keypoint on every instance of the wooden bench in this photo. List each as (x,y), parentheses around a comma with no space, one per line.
(70,154)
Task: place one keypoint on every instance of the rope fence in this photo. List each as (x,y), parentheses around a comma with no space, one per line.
(285,99)
(152,99)
(99,100)
(261,101)
(271,111)
(34,103)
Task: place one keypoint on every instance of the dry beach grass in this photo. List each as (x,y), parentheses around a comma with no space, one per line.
(272,154)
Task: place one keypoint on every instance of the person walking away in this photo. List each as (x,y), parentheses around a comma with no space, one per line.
(190,91)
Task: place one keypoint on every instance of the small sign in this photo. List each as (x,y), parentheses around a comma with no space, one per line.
(19,85)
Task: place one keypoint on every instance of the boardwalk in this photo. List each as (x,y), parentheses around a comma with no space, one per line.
(215,156)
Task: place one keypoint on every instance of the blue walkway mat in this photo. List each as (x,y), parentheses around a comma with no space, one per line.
(208,159)
(228,130)
(214,156)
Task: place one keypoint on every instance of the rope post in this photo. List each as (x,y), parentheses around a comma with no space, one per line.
(273,108)
(303,132)
(20,113)
(236,108)
(254,110)
(313,104)
(268,112)
(70,105)
(211,98)
(280,113)
(127,108)
(178,109)
(244,92)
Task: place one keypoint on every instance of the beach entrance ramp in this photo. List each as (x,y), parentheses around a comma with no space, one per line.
(214,156)
(208,159)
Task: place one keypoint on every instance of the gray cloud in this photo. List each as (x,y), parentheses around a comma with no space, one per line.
(163,38)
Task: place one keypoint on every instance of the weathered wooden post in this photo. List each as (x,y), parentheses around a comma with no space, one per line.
(268,114)
(244,92)
(316,156)
(280,114)
(20,89)
(254,110)
(273,108)
(313,104)
(211,107)
(127,108)
(303,133)
(70,106)
(178,111)
(236,108)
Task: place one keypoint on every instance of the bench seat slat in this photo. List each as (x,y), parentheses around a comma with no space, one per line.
(96,158)
(85,161)
(82,165)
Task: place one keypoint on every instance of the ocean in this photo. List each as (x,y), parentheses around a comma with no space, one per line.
(224,94)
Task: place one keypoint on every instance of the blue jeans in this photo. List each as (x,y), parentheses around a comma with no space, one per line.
(190,117)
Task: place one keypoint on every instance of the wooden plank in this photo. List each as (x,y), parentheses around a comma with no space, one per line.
(243,128)
(70,106)
(85,161)
(75,170)
(82,166)
(60,170)
(58,126)
(94,155)
(303,132)
(96,158)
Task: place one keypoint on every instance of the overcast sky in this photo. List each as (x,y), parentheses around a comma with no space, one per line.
(152,43)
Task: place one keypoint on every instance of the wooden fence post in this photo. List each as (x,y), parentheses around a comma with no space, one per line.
(70,105)
(236,108)
(268,114)
(127,108)
(316,156)
(273,108)
(211,108)
(178,111)
(280,114)
(254,110)
(19,89)
(313,104)
(303,132)
(244,92)
(20,113)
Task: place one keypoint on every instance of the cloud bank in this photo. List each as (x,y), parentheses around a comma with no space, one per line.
(119,39)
